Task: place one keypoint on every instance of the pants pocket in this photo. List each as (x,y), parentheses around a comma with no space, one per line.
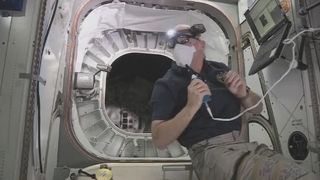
(221,162)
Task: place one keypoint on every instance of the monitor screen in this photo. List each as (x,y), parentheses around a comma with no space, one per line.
(265,15)
(15,5)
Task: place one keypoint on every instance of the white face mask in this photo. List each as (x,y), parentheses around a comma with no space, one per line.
(183,54)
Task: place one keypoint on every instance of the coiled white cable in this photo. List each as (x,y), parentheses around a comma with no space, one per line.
(293,64)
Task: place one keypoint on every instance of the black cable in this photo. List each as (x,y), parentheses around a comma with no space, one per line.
(93,176)
(39,133)
(301,66)
(50,24)
(313,6)
(38,92)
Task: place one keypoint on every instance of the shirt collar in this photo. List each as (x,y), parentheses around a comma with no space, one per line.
(182,71)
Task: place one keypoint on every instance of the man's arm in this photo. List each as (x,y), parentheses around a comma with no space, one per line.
(165,132)
(238,87)
(250,100)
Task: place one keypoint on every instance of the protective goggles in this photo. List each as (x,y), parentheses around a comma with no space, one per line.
(183,36)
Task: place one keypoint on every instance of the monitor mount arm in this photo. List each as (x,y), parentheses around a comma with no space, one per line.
(304,10)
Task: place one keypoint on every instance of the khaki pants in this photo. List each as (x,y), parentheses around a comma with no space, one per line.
(228,157)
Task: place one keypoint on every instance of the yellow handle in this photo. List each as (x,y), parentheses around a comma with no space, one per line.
(103,174)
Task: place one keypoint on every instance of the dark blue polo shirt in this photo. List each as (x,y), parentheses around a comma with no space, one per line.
(169,96)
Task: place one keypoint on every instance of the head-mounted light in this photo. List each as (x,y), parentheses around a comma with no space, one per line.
(182,36)
(197,29)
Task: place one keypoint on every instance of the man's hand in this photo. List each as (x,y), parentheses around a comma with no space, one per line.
(238,87)
(197,89)
(235,84)
(198,55)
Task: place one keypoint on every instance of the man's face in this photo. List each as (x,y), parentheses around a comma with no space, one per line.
(186,35)
(197,42)
(186,38)
(190,50)
(194,41)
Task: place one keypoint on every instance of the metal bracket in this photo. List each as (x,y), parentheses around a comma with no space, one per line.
(174,167)
(29,76)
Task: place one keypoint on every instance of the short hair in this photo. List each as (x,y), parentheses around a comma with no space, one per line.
(180,27)
(184,30)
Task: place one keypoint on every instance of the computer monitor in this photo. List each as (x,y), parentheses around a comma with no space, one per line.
(264,18)
(270,27)
(13,5)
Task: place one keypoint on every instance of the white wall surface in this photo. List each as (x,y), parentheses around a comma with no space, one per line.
(17,35)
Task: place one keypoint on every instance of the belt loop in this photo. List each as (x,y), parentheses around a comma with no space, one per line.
(207,142)
(235,135)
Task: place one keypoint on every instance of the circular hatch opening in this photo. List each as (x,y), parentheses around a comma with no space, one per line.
(129,87)
(298,146)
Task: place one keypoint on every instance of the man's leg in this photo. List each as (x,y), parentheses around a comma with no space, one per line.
(263,164)
(217,162)
(246,161)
